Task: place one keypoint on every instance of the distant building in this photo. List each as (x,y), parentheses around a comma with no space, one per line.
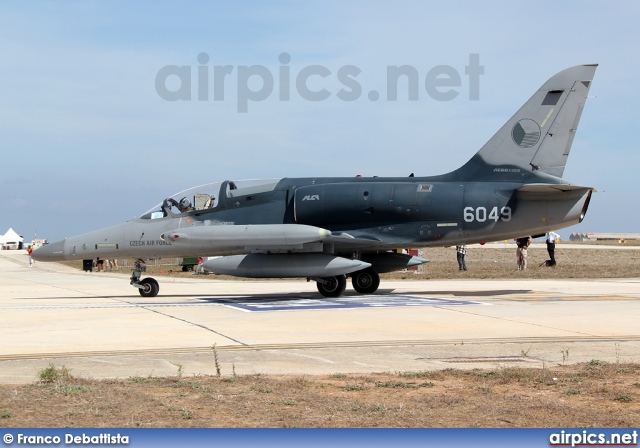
(596,236)
(39,242)
(11,240)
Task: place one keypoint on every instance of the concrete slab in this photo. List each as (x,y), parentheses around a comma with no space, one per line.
(98,326)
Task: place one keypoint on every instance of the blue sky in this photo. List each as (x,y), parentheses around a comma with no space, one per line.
(87,141)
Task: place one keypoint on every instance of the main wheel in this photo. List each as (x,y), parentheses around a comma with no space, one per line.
(365,281)
(332,286)
(150,287)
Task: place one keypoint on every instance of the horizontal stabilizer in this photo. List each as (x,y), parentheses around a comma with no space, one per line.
(552,188)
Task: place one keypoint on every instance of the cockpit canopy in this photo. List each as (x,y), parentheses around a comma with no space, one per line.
(205,197)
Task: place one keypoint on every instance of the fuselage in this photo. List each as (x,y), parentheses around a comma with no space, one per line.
(388,213)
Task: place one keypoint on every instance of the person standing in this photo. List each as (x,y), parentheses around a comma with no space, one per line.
(521,252)
(200,268)
(461,251)
(552,237)
(30,251)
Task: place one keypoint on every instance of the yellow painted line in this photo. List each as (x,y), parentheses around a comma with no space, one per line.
(322,345)
(546,118)
(570,298)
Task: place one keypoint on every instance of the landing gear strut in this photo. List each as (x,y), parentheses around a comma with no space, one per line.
(147,287)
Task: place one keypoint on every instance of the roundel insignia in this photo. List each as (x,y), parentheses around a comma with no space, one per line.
(526,133)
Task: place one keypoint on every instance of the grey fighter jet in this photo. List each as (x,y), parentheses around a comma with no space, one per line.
(326,229)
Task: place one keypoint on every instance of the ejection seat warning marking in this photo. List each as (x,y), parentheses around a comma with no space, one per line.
(303,303)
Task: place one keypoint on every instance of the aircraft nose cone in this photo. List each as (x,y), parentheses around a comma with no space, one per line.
(50,252)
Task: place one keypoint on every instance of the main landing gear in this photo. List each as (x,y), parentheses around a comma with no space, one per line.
(332,286)
(147,287)
(366,281)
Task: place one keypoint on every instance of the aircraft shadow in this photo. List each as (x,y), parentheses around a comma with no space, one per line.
(292,295)
(497,292)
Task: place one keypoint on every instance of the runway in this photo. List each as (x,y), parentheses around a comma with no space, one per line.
(98,326)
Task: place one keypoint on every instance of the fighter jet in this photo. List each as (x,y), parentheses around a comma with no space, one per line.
(327,229)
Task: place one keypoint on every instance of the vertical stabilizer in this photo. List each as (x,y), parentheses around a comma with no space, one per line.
(538,137)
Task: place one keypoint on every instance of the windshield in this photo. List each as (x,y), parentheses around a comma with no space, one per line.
(207,196)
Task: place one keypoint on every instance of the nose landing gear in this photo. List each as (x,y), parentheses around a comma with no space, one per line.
(147,287)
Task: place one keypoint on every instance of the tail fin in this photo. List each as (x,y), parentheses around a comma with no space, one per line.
(538,137)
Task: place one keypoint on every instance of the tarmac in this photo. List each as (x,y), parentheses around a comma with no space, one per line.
(98,326)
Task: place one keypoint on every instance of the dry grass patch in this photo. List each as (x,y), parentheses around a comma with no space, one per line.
(593,394)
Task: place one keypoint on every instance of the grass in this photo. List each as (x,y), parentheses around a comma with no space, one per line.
(402,384)
(54,375)
(180,368)
(352,387)
(138,379)
(581,395)
(215,359)
(67,389)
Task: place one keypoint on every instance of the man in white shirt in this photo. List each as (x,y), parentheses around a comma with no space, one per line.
(552,237)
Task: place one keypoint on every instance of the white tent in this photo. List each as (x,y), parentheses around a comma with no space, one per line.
(11,240)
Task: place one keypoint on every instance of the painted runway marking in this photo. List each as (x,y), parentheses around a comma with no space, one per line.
(264,303)
(305,303)
(547,298)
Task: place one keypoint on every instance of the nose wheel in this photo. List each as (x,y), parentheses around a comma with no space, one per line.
(147,287)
